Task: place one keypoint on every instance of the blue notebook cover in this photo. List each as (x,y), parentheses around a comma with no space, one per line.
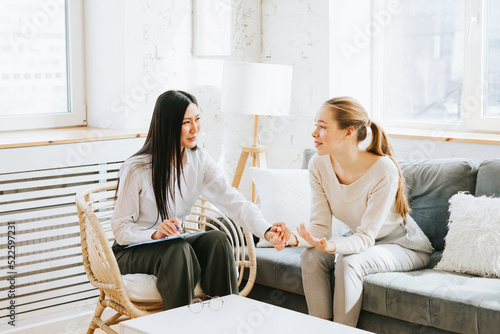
(165,239)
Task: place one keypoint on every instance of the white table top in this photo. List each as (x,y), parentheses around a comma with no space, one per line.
(237,315)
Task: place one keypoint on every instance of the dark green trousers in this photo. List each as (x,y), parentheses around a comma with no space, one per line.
(179,264)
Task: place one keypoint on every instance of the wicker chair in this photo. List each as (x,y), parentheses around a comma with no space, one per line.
(95,206)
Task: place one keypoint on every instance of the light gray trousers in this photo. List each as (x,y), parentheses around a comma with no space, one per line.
(322,271)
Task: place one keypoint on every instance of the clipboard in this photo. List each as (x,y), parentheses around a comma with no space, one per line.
(165,239)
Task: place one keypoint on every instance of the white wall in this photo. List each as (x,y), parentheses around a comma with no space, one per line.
(295,32)
(137,49)
(104,49)
(350,50)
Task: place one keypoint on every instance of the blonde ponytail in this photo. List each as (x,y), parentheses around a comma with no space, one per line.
(380,143)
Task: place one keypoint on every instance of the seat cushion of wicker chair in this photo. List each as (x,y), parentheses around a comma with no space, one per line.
(142,288)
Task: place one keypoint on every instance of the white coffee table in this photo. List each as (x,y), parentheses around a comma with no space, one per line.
(237,315)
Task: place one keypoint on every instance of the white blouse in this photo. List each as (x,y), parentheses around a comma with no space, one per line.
(136,218)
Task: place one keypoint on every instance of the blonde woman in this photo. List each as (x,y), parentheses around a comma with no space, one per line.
(364,189)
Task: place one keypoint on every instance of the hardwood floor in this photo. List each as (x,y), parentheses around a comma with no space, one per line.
(97,331)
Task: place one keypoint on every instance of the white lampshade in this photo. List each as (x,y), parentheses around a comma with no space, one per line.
(256,89)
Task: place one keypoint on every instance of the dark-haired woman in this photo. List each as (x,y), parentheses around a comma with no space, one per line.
(364,189)
(157,189)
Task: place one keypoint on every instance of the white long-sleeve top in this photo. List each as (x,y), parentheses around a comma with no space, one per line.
(367,206)
(136,218)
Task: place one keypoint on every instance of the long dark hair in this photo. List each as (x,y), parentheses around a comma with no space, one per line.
(350,113)
(163,146)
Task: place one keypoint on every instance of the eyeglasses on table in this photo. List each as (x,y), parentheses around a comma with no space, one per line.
(214,303)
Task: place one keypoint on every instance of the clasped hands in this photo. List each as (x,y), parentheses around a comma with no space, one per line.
(172,227)
(280,235)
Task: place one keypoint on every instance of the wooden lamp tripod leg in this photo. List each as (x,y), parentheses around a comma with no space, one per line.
(258,159)
(241,167)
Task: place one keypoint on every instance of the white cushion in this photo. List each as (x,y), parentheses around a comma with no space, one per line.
(142,288)
(473,240)
(285,196)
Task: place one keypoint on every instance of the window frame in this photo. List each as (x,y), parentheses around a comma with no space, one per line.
(76,115)
(474,97)
(475,64)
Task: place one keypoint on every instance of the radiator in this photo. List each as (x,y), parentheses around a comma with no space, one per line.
(47,273)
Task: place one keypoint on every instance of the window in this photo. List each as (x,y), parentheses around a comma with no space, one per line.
(41,64)
(493,58)
(422,62)
(437,64)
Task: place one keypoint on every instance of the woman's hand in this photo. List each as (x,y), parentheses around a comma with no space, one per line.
(322,245)
(167,228)
(278,235)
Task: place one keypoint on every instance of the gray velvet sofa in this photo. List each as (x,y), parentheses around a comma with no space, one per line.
(423,301)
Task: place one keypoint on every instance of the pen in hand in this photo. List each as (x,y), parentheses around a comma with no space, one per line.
(168,228)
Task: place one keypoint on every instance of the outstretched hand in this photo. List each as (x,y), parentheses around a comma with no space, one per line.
(322,244)
(278,235)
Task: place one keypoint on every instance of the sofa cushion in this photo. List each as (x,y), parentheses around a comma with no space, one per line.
(453,302)
(431,183)
(280,270)
(376,323)
(488,178)
(435,258)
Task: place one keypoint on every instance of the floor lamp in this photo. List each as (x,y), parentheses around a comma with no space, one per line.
(255,89)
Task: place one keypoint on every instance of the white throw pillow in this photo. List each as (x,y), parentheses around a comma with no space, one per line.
(285,196)
(473,240)
(142,288)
